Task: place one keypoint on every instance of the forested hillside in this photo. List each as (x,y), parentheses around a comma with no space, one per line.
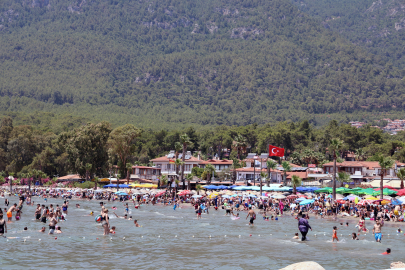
(175,63)
(377,25)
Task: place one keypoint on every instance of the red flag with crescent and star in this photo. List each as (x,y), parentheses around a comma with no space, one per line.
(275,151)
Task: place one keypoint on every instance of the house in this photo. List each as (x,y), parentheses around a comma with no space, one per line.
(362,170)
(144,172)
(167,166)
(220,165)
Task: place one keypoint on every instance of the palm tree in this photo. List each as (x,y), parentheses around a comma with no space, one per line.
(129,169)
(287,168)
(262,175)
(343,177)
(271,165)
(385,164)
(177,147)
(185,141)
(42,175)
(359,154)
(189,177)
(96,179)
(240,144)
(401,175)
(209,168)
(177,181)
(178,163)
(295,181)
(163,180)
(235,165)
(334,146)
(198,188)
(88,167)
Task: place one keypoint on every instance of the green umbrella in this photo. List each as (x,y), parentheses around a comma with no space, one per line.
(367,191)
(324,190)
(343,190)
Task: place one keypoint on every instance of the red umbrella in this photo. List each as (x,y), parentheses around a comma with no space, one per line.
(365,202)
(401,192)
(387,186)
(292,196)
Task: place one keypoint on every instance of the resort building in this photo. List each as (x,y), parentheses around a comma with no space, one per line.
(167,166)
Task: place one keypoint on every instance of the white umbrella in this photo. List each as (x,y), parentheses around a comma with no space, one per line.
(278,196)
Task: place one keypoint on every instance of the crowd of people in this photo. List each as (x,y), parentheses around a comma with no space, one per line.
(321,206)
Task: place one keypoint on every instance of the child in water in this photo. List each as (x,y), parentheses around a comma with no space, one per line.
(388,252)
(112,230)
(354,236)
(296,236)
(334,236)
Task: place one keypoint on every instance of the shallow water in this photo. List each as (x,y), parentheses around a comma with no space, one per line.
(270,246)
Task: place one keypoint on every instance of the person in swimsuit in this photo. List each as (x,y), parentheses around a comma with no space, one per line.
(334,236)
(377,230)
(38,212)
(10,212)
(105,222)
(252,215)
(64,207)
(3,225)
(52,223)
(361,224)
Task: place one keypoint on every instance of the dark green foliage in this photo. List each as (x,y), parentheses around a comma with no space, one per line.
(174,64)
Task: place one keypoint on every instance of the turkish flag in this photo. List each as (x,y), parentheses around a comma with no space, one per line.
(276,151)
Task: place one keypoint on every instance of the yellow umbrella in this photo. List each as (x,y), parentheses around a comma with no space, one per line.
(213,195)
(384,202)
(371,198)
(105,180)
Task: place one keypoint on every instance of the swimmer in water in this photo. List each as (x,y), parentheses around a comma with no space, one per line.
(354,236)
(77,205)
(3,225)
(42,229)
(296,236)
(10,212)
(58,229)
(399,230)
(136,223)
(112,231)
(91,213)
(130,218)
(334,236)
(388,252)
(52,223)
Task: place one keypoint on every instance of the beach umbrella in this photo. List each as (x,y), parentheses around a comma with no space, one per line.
(160,193)
(226,196)
(388,186)
(306,202)
(300,199)
(240,188)
(324,190)
(364,202)
(254,188)
(278,196)
(196,196)
(123,185)
(401,192)
(292,196)
(222,187)
(370,198)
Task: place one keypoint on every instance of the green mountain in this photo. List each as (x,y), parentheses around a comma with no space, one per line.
(164,64)
(377,25)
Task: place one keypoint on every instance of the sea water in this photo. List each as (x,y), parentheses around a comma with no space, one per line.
(155,245)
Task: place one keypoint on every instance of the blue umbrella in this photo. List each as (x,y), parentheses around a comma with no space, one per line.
(123,186)
(240,188)
(211,187)
(305,202)
(110,185)
(300,199)
(121,193)
(222,187)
